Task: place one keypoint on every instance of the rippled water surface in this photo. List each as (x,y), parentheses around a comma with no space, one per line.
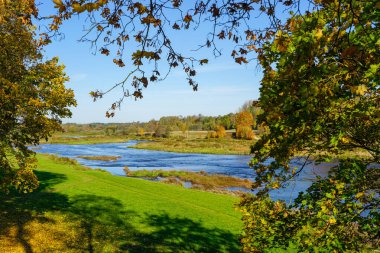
(135,159)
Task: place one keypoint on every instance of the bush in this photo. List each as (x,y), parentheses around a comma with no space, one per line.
(245,132)
(220,132)
(162,131)
(211,134)
(140,131)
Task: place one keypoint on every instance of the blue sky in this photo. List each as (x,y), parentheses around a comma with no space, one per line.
(223,85)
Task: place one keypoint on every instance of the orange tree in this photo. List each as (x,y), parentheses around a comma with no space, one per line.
(32,95)
(221,132)
(244,123)
(319,95)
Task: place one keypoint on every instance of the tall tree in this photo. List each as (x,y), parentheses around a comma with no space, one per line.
(33,97)
(320,96)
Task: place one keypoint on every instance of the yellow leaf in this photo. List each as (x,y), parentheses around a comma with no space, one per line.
(345,140)
(187,18)
(359,195)
(59,3)
(78,8)
(359,90)
(319,34)
(332,220)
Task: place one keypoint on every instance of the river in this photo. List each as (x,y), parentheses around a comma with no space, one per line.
(136,159)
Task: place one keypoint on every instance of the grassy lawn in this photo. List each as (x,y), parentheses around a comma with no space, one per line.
(79,210)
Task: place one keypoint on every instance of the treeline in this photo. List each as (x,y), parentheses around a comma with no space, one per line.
(165,125)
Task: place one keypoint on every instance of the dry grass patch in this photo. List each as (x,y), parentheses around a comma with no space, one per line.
(202,146)
(100,158)
(198,180)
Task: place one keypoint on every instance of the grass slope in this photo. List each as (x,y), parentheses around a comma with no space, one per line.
(79,210)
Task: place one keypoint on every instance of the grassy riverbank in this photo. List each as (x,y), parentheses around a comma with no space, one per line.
(100,158)
(227,146)
(85,139)
(81,210)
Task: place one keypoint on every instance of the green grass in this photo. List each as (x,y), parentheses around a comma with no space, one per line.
(202,146)
(81,210)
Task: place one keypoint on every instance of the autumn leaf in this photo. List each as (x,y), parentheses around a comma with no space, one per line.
(203,61)
(241,60)
(188,18)
(58,3)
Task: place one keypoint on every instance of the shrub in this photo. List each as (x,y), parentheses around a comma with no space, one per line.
(245,132)
(140,131)
(220,132)
(211,134)
(162,131)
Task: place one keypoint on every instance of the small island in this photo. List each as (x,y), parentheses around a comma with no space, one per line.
(100,158)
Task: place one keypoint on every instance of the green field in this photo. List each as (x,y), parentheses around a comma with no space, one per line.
(81,210)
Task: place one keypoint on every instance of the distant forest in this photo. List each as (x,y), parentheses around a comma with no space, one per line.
(167,124)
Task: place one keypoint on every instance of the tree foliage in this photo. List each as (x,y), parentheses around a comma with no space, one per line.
(220,132)
(320,96)
(245,132)
(244,123)
(33,97)
(252,107)
(244,118)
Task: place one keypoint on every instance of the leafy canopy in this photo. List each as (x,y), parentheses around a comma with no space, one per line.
(320,97)
(33,97)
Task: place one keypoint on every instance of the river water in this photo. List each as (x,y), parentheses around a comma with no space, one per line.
(137,159)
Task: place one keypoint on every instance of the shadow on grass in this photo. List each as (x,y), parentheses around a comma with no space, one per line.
(18,209)
(106,227)
(102,224)
(178,234)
